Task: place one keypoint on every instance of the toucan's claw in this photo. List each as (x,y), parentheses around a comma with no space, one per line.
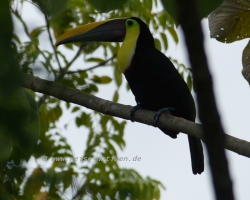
(159,112)
(132,111)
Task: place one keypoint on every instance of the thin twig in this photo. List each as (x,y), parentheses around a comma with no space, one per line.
(51,41)
(50,66)
(94,67)
(74,58)
(66,68)
(15,12)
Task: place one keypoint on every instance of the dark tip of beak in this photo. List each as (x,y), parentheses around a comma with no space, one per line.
(107,31)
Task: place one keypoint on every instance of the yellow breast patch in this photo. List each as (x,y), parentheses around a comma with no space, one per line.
(127,49)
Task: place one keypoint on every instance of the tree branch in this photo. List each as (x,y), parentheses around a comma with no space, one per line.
(189,18)
(123,111)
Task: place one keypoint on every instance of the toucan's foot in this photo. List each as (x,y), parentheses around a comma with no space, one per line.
(132,111)
(159,112)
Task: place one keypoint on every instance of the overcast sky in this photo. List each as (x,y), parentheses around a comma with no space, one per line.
(166,159)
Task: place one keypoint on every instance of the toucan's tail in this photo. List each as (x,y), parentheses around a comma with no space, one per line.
(197,157)
(196,151)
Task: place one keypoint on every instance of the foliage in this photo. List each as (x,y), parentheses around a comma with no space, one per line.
(229,23)
(105,6)
(23,141)
(205,7)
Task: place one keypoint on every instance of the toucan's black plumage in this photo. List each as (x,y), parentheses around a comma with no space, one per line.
(156,84)
(152,77)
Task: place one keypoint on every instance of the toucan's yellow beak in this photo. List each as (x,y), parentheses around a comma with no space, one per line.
(113,30)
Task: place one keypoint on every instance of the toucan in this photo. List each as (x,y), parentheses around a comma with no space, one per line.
(153,79)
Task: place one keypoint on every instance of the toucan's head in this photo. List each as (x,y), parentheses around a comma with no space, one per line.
(133,32)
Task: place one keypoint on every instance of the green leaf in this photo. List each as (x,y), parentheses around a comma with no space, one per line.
(69,46)
(169,6)
(118,76)
(127,86)
(28,140)
(157,44)
(230,21)
(75,109)
(182,74)
(16,38)
(36,32)
(84,120)
(47,63)
(34,182)
(189,82)
(205,7)
(90,88)
(90,138)
(116,96)
(119,141)
(63,57)
(19,101)
(165,40)
(107,5)
(67,178)
(102,79)
(5,146)
(67,105)
(105,79)
(68,83)
(93,59)
(58,111)
(173,34)
(54,113)
(52,7)
(20,112)
(33,105)
(80,79)
(59,176)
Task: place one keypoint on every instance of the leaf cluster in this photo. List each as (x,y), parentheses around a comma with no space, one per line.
(229,23)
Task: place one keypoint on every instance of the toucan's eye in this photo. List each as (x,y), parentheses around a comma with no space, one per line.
(130,22)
